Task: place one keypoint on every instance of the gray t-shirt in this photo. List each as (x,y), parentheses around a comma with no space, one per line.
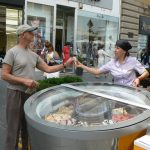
(23,62)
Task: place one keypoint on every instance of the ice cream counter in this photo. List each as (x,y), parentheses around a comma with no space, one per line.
(85,116)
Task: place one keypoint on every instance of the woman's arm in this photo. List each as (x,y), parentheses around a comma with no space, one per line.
(49,69)
(95,71)
(143,76)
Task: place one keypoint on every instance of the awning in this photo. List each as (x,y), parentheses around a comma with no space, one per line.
(147,2)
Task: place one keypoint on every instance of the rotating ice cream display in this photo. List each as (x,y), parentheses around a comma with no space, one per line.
(85,116)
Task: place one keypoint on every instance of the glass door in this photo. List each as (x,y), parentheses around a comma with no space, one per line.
(64,27)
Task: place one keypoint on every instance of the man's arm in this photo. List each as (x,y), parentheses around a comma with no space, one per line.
(49,69)
(7,76)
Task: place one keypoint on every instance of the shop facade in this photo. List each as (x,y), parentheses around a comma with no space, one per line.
(144,32)
(11,15)
(135,24)
(79,23)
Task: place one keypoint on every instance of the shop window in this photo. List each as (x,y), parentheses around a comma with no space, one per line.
(10,19)
(42,19)
(93,29)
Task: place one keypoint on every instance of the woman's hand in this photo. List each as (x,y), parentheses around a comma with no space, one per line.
(95,71)
(136,82)
(77,63)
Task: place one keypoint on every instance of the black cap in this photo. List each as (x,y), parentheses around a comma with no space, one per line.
(124,44)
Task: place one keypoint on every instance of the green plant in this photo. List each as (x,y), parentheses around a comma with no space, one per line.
(80,58)
(78,70)
(57,81)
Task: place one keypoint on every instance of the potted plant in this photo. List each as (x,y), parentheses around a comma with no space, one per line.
(78,70)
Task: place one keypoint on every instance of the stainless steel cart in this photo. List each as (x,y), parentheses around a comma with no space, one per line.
(85,116)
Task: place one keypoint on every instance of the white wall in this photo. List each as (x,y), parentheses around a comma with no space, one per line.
(114,12)
(70,27)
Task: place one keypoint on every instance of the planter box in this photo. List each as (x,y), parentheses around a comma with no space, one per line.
(79,71)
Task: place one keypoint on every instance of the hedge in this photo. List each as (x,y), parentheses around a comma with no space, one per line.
(57,81)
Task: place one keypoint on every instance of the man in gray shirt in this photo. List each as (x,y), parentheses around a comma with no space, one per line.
(19,71)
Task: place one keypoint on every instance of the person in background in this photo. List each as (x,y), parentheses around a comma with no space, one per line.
(94,54)
(51,55)
(40,33)
(101,54)
(66,52)
(19,71)
(123,67)
(51,58)
(141,54)
(146,58)
(43,52)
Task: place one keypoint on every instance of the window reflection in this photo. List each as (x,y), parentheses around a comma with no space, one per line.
(92,29)
(13,19)
(10,18)
(42,19)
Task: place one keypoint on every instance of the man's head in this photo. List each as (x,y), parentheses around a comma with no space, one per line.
(25,28)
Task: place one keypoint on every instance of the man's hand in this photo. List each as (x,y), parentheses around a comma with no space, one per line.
(31,83)
(69,61)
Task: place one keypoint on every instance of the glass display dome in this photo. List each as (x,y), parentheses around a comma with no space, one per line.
(89,112)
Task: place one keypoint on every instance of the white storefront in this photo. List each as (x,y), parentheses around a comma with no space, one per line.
(61,21)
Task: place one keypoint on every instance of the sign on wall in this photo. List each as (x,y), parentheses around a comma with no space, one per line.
(144,25)
(99,3)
